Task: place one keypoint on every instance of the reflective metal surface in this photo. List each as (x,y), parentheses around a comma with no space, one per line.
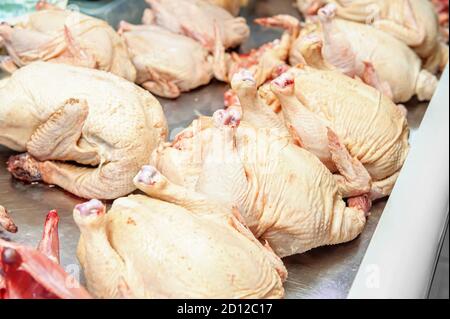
(326,272)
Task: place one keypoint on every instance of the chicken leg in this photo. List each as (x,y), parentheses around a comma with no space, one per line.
(254,112)
(105,181)
(338,51)
(90,218)
(223,176)
(153,183)
(58,140)
(317,137)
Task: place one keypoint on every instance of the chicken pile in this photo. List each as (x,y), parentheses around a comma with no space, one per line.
(311,134)
(176,48)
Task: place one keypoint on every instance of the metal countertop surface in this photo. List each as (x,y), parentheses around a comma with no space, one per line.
(326,272)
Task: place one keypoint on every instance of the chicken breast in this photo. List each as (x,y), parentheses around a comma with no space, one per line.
(174,244)
(59,114)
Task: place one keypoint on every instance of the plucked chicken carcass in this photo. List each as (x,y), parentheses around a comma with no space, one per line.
(6,221)
(63,36)
(285,194)
(27,273)
(167,63)
(197,19)
(414,22)
(369,126)
(105,126)
(174,244)
(359,50)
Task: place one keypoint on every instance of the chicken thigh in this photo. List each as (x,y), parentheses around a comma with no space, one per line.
(414,22)
(286,195)
(359,50)
(27,273)
(197,19)
(67,37)
(167,63)
(174,244)
(105,126)
(322,105)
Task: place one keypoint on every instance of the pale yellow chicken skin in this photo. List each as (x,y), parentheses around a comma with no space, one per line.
(67,37)
(372,128)
(177,244)
(59,113)
(197,19)
(167,63)
(414,22)
(285,194)
(360,50)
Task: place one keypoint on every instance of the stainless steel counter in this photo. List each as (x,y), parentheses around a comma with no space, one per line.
(326,272)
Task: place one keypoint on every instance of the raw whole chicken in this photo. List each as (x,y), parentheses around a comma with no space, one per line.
(285,194)
(232,6)
(372,129)
(67,37)
(105,126)
(6,221)
(27,273)
(414,22)
(197,19)
(167,63)
(174,244)
(359,50)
